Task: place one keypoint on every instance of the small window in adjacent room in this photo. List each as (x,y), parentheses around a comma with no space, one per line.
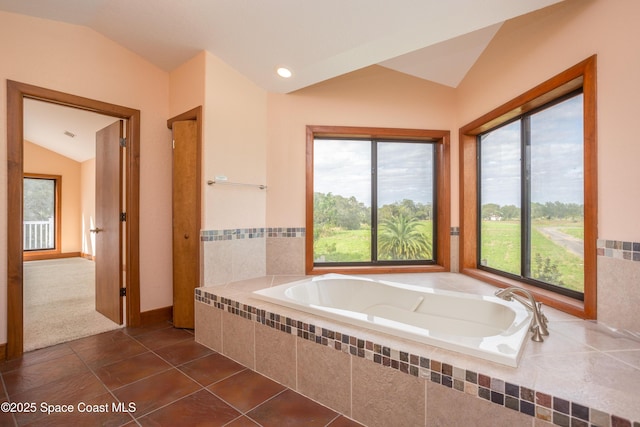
(372,200)
(529,192)
(41,213)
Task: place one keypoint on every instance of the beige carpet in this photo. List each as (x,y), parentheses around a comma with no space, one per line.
(59,302)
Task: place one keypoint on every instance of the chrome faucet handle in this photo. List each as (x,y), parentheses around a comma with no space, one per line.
(537,335)
(543,319)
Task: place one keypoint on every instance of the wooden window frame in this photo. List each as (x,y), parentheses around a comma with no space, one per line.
(582,75)
(57,250)
(440,139)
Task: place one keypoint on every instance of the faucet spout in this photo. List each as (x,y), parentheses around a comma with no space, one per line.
(539,321)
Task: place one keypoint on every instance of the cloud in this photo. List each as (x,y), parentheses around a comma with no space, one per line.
(556,153)
(343,167)
(405,170)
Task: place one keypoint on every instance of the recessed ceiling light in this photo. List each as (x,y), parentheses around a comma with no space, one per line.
(284,72)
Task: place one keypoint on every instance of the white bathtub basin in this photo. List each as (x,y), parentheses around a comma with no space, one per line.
(481,326)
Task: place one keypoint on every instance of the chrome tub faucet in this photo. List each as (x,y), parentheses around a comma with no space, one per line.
(539,322)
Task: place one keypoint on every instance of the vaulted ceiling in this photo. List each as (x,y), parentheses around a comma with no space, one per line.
(433,39)
(317,40)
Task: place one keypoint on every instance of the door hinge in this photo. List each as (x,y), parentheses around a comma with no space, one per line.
(173,144)
(123,142)
(123,292)
(123,216)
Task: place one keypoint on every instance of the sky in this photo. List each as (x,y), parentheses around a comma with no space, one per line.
(343,167)
(557,172)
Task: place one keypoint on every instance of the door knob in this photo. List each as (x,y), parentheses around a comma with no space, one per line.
(95,230)
(186,235)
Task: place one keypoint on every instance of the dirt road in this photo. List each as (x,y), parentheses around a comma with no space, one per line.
(572,244)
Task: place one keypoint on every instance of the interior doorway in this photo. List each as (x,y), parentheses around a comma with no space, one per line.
(16,94)
(60,159)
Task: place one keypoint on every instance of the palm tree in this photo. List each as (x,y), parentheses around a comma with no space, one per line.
(400,239)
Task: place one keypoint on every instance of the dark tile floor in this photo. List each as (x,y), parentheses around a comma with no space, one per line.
(152,376)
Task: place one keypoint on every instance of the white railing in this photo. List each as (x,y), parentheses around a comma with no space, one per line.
(38,235)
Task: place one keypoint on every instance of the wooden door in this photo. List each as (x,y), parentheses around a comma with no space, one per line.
(186,221)
(108,227)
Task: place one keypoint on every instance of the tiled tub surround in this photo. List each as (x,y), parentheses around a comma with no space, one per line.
(583,374)
(243,253)
(619,284)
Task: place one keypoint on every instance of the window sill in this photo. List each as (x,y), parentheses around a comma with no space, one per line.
(379,270)
(51,254)
(560,302)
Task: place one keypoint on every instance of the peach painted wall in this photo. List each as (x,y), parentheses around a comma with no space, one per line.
(374,97)
(531,49)
(186,85)
(88,204)
(77,60)
(42,161)
(235,144)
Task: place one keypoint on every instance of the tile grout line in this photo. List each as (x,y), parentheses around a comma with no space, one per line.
(149,350)
(111,392)
(6,393)
(171,366)
(202,387)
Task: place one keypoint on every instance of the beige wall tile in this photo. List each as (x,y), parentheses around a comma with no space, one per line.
(238,339)
(384,396)
(619,293)
(276,355)
(217,262)
(455,254)
(449,407)
(208,326)
(324,375)
(248,258)
(285,255)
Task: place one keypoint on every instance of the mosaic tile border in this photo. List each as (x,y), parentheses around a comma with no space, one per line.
(250,233)
(534,403)
(618,249)
(286,232)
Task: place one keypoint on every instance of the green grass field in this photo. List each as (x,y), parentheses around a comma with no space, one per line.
(344,246)
(502,251)
(351,245)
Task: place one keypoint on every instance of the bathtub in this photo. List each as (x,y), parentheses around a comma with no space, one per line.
(481,326)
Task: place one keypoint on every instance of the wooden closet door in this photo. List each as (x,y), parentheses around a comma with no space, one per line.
(186,221)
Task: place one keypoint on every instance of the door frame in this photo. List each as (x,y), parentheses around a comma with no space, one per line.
(16,93)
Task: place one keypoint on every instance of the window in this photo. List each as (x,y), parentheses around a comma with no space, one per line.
(529,192)
(372,198)
(531,196)
(41,213)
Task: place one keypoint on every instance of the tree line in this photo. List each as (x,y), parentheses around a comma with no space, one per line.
(548,210)
(335,211)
